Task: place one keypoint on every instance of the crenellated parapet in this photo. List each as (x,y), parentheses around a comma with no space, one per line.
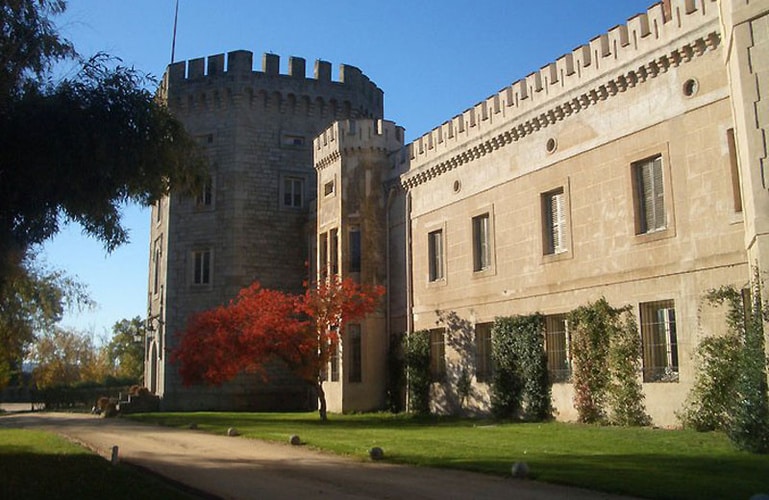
(350,136)
(669,34)
(223,81)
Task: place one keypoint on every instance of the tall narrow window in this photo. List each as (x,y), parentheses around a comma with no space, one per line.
(734,170)
(293,192)
(435,254)
(554,217)
(558,347)
(323,256)
(659,341)
(355,350)
(333,251)
(206,195)
(649,195)
(202,267)
(333,360)
(483,366)
(481,243)
(355,250)
(437,355)
(156,266)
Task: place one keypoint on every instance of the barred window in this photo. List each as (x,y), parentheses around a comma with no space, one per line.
(558,347)
(659,341)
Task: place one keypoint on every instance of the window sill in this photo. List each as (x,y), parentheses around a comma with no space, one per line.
(659,234)
(557,257)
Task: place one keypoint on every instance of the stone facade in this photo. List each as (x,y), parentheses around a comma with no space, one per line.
(250,223)
(631,168)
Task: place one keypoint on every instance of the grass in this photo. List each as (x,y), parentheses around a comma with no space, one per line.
(651,463)
(37,464)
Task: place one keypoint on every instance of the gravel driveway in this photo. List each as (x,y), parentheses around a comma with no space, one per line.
(239,468)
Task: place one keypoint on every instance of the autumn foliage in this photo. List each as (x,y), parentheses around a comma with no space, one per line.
(261,325)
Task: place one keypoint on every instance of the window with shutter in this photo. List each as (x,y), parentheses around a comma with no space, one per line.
(650,195)
(554,212)
(435,255)
(481,243)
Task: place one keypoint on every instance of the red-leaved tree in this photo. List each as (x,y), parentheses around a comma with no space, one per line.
(261,324)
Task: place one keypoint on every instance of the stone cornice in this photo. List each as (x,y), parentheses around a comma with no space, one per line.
(517,130)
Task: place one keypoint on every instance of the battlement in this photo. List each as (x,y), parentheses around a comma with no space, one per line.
(233,74)
(348,135)
(609,63)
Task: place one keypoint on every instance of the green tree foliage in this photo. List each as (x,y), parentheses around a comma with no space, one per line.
(125,351)
(520,384)
(80,148)
(32,300)
(77,150)
(416,351)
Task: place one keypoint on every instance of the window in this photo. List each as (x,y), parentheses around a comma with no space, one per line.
(156,254)
(328,188)
(202,267)
(734,170)
(355,350)
(205,197)
(159,211)
(323,255)
(333,360)
(554,222)
(558,347)
(435,254)
(293,192)
(355,250)
(649,195)
(483,363)
(659,341)
(481,243)
(437,355)
(333,251)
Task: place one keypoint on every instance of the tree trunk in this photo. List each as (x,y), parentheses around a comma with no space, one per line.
(321,400)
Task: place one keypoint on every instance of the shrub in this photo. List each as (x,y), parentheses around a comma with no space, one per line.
(606,356)
(730,390)
(626,398)
(520,385)
(417,358)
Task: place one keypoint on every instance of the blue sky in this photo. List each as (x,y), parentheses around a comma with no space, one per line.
(433,60)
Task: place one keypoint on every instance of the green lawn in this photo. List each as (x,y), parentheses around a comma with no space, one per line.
(651,463)
(36,464)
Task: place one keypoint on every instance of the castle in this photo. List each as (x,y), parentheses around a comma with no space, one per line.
(631,168)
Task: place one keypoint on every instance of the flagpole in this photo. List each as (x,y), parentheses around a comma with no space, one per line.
(173,41)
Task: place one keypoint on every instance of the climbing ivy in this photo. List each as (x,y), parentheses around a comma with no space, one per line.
(730,391)
(626,398)
(416,351)
(520,385)
(606,357)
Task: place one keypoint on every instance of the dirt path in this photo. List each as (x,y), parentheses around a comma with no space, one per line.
(239,468)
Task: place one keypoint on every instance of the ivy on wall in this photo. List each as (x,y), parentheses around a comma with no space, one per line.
(520,386)
(730,389)
(416,353)
(606,357)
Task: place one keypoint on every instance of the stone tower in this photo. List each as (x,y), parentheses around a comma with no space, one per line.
(250,222)
(361,233)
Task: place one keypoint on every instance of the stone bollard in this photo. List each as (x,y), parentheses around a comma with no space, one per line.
(376,453)
(520,470)
(232,431)
(294,440)
(115,458)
